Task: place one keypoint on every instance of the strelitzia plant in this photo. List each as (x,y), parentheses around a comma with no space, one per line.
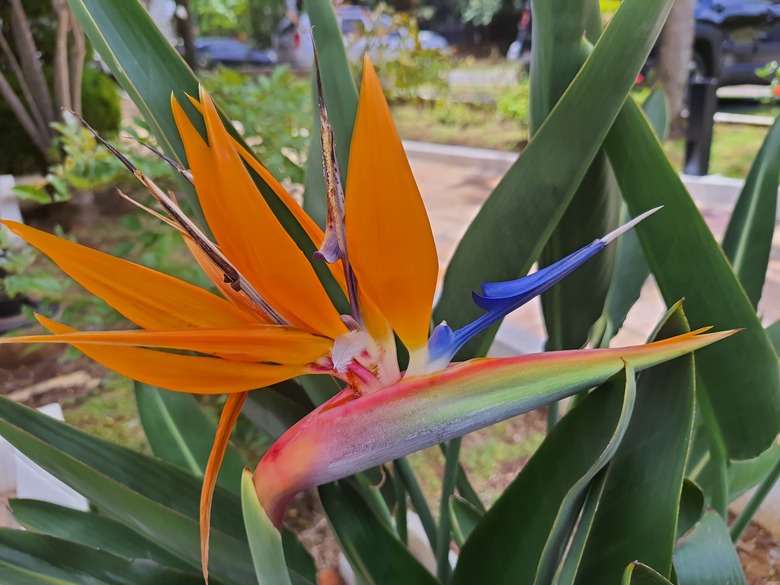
(275,320)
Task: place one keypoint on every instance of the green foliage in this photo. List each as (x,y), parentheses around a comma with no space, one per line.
(452,113)
(274,112)
(255,19)
(101,102)
(512,102)
(411,72)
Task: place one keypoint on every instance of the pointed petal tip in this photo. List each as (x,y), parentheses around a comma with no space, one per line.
(613,235)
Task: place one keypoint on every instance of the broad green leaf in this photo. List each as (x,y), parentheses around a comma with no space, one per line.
(373,550)
(631,269)
(573,305)
(706,555)
(278,407)
(773,331)
(533,518)
(691,508)
(748,240)
(567,572)
(560,534)
(181,433)
(708,468)
(265,541)
(515,222)
(644,479)
(18,576)
(463,517)
(628,278)
(90,529)
(56,558)
(175,532)
(154,479)
(30,193)
(341,98)
(654,108)
(756,500)
(688,263)
(638,574)
(743,475)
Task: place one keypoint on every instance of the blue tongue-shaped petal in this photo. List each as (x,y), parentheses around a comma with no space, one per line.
(499,299)
(508,296)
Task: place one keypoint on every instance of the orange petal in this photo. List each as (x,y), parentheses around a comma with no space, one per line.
(375,321)
(389,239)
(249,343)
(307,223)
(150,299)
(217,276)
(247,230)
(181,373)
(226,423)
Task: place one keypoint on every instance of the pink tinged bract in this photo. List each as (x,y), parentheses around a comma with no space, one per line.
(350,433)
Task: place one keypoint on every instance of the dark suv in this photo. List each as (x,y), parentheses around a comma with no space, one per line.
(733,38)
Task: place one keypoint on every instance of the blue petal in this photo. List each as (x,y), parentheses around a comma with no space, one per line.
(497,296)
(499,299)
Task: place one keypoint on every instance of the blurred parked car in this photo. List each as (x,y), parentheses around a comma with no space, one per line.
(362,32)
(212,51)
(733,38)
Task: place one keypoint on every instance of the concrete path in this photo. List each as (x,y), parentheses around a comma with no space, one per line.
(455,181)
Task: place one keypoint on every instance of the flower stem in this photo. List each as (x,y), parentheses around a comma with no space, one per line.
(400,506)
(418,499)
(464,487)
(552,416)
(451,468)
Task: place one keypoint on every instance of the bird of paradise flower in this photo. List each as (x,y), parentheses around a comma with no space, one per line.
(275,321)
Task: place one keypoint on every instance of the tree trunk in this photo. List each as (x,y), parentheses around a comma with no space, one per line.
(676,52)
(42,129)
(183,17)
(78,53)
(42,142)
(62,93)
(31,65)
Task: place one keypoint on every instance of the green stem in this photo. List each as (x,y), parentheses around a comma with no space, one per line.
(465,489)
(374,498)
(406,473)
(467,492)
(552,416)
(400,506)
(451,467)
(755,502)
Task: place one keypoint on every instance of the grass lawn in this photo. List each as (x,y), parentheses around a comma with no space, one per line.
(458,124)
(109,412)
(733,149)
